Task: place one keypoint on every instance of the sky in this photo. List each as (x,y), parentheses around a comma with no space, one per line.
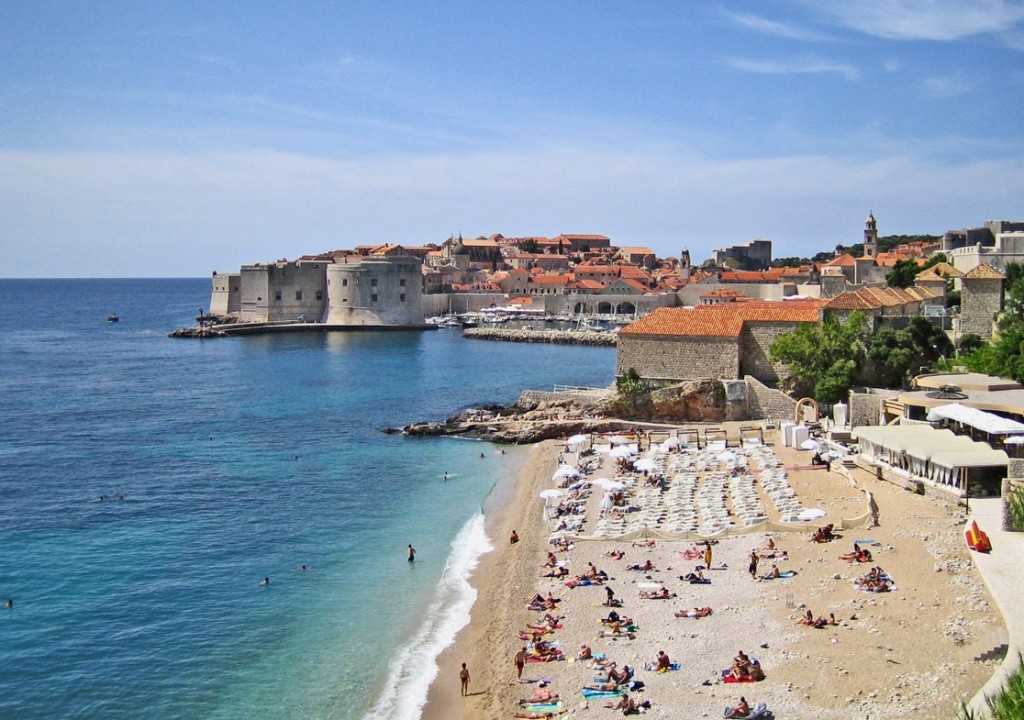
(173,139)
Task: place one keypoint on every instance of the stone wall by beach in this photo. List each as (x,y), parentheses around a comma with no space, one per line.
(866,407)
(755,341)
(686,358)
(766,403)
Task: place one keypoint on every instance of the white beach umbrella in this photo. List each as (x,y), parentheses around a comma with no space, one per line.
(810,514)
(577,440)
(606,502)
(811,445)
(645,464)
(670,442)
(566,471)
(621,452)
(620,440)
(551,494)
(727,456)
(607,484)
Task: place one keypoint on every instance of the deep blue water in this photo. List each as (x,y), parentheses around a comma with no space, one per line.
(220,463)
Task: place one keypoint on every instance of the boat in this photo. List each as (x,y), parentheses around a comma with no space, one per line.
(113,318)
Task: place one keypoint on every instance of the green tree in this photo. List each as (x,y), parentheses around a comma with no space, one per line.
(823,357)
(529,245)
(790,262)
(902,274)
(896,355)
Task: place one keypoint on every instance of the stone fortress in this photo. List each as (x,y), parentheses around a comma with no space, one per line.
(395,286)
(343,291)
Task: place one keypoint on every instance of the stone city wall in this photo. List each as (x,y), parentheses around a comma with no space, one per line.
(866,407)
(755,340)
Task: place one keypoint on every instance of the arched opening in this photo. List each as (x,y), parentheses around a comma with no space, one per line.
(799,414)
(626,308)
(604,308)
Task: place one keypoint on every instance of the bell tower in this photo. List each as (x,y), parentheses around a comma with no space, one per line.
(870,236)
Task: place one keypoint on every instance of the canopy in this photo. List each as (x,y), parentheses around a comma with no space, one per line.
(979,419)
(970,458)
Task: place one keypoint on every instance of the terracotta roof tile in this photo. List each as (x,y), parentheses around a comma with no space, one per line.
(852,300)
(722,320)
(844,260)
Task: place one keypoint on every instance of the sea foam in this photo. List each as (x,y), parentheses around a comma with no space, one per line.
(415,665)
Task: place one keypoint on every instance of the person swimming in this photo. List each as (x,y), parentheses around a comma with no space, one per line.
(9,603)
(264,582)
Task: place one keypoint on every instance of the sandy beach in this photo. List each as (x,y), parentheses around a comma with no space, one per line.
(911,650)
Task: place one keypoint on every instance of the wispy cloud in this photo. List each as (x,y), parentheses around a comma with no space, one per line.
(940,20)
(775,28)
(795,67)
(946,87)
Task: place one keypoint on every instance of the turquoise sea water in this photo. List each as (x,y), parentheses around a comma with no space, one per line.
(220,463)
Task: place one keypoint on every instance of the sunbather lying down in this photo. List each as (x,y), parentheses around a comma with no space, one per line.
(641,567)
(659,594)
(697,612)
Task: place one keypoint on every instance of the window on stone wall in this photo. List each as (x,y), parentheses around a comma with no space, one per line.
(401,297)
(373,298)
(402,282)
(298,294)
(277,295)
(344,282)
(319,294)
(373,282)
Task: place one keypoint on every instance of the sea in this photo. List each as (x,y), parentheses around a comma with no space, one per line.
(149,485)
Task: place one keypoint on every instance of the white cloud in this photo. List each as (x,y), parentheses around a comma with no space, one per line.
(795,67)
(940,20)
(892,66)
(775,28)
(111,214)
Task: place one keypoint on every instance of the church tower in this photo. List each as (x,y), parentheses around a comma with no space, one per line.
(870,237)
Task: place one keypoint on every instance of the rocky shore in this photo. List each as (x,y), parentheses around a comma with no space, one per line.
(560,337)
(538,416)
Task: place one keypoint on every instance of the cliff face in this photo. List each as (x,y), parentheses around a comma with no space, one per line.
(691,401)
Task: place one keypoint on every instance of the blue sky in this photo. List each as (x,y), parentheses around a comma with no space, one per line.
(173,139)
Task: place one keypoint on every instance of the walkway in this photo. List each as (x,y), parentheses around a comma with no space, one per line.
(1004,576)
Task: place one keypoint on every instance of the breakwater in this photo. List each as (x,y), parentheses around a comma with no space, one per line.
(561,337)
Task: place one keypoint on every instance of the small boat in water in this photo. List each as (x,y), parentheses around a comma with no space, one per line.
(113,318)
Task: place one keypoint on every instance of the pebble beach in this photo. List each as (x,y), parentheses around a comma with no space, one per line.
(919,648)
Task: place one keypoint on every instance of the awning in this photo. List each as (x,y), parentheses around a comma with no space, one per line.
(979,419)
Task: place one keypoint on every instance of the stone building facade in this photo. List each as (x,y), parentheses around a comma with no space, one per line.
(724,341)
(226,297)
(981,299)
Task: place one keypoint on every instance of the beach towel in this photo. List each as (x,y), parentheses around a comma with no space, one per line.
(589,693)
(782,575)
(758,711)
(867,542)
(546,658)
(542,707)
(728,677)
(673,666)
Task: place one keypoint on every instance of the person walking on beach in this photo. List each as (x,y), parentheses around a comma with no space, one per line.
(514,537)
(464,678)
(412,554)
(520,662)
(752,568)
(707,554)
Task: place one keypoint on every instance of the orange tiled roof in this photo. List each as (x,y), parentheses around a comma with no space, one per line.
(852,300)
(722,320)
(723,293)
(551,279)
(844,260)
(587,285)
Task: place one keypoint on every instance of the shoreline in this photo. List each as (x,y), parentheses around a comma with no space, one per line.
(881,659)
(484,643)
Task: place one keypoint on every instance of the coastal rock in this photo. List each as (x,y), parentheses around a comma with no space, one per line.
(201,333)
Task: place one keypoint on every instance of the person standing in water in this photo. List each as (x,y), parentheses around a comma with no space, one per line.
(412,554)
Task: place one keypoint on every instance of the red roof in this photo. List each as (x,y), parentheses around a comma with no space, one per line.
(844,260)
(722,320)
